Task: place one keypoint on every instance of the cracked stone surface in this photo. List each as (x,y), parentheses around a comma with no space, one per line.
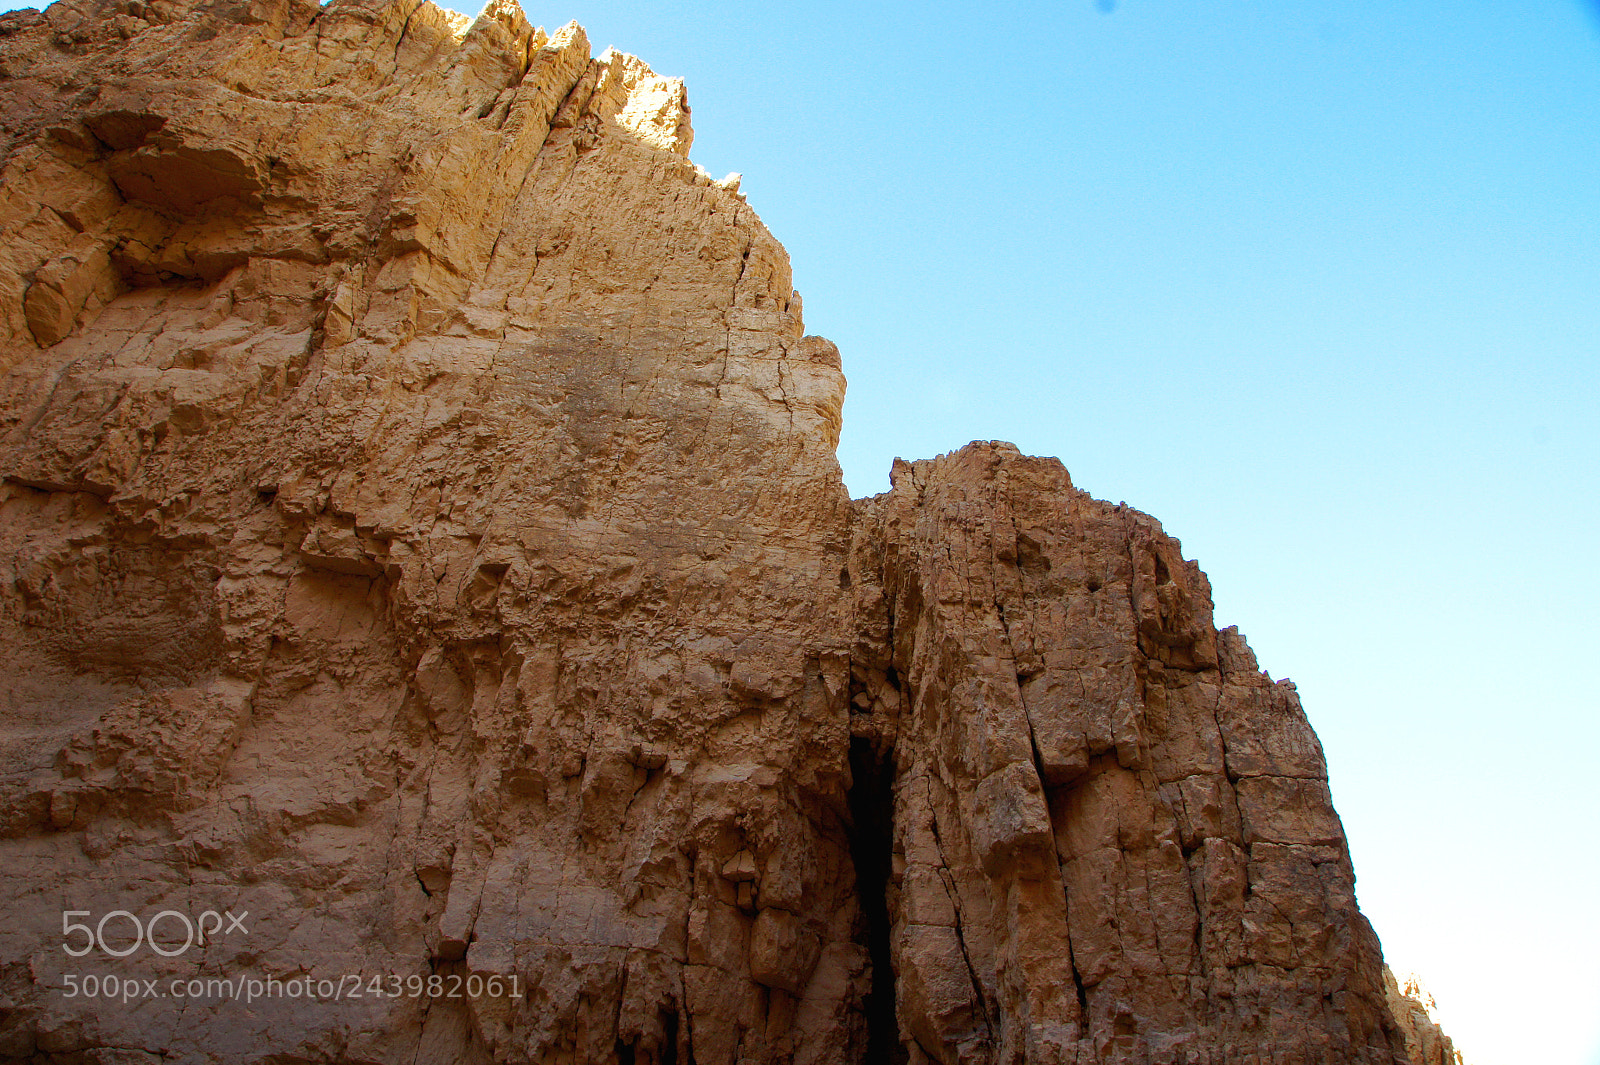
(1114,840)
(421,532)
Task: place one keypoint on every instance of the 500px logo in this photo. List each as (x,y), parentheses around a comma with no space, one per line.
(144,932)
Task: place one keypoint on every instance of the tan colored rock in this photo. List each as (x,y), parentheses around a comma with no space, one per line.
(1104,812)
(424,545)
(428,541)
(1414,1011)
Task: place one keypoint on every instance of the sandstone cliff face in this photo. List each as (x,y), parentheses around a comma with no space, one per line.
(1114,835)
(422,533)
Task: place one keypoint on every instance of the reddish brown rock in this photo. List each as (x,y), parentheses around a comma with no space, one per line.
(425,548)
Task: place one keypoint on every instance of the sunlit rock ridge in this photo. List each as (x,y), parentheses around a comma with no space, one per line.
(423,546)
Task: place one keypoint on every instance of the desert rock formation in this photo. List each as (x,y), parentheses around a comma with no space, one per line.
(423,536)
(1414,1011)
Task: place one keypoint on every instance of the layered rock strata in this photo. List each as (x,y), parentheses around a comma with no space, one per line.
(423,538)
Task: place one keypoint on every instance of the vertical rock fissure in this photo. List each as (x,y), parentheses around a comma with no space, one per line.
(980,1001)
(871,801)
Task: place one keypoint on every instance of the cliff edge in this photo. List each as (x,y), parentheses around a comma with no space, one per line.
(435,628)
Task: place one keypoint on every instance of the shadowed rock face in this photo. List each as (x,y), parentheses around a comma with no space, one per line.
(423,534)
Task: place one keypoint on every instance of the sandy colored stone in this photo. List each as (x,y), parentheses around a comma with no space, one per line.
(1129,820)
(421,531)
(1414,1011)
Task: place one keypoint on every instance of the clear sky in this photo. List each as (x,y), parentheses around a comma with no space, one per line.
(1318,285)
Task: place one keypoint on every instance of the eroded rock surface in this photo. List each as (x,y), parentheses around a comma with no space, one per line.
(422,533)
(1113,831)
(1414,1011)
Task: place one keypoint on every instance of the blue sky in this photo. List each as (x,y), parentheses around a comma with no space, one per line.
(1316,284)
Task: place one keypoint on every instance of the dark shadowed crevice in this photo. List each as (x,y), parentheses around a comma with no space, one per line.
(871,849)
(669,1041)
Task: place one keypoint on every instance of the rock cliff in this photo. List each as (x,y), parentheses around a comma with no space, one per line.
(435,628)
(1414,1008)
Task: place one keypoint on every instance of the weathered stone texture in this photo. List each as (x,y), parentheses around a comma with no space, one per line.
(1413,1008)
(1115,823)
(421,530)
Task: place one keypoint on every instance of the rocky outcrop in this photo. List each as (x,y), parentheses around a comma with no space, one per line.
(1414,1011)
(1114,834)
(436,629)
